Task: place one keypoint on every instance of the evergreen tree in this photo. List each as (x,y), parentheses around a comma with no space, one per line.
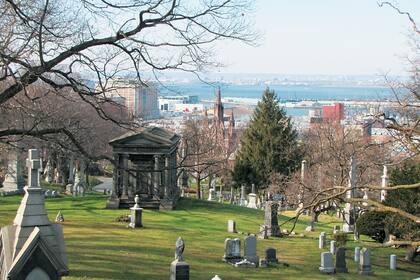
(268,146)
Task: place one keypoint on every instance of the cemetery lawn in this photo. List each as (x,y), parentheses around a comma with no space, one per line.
(100,248)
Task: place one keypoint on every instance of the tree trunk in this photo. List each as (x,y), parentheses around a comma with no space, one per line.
(198,179)
(411,253)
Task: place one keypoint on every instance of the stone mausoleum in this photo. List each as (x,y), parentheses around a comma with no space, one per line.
(145,165)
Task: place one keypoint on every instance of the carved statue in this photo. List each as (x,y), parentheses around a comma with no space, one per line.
(179,249)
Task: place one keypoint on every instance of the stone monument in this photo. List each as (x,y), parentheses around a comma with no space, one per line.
(349,211)
(232,226)
(250,249)
(327,265)
(242,201)
(232,250)
(271,255)
(13,181)
(393,262)
(271,220)
(384,183)
(252,198)
(33,247)
(340,260)
(357,254)
(180,270)
(136,214)
(322,240)
(365,267)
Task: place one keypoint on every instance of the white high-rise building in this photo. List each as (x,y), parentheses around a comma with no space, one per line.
(141,100)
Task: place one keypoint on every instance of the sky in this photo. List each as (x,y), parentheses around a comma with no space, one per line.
(330,37)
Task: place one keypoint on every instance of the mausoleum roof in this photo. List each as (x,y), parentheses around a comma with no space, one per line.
(147,137)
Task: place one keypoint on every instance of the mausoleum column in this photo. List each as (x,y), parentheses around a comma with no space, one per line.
(115,175)
(125,176)
(156,176)
(167,176)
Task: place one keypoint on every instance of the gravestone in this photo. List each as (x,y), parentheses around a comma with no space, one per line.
(263,263)
(212,193)
(136,214)
(245,263)
(322,240)
(340,260)
(327,265)
(250,249)
(349,210)
(252,201)
(333,246)
(263,232)
(365,266)
(242,200)
(271,220)
(59,218)
(33,247)
(13,180)
(271,255)
(232,226)
(357,254)
(311,226)
(393,262)
(336,229)
(216,277)
(232,250)
(180,270)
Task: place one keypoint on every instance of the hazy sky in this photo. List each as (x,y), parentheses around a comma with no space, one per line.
(324,37)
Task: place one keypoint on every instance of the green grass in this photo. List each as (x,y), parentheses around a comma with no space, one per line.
(99,248)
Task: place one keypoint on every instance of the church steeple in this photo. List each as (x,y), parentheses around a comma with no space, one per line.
(218,107)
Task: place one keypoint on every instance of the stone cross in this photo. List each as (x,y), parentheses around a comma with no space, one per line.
(250,249)
(384,183)
(34,165)
(327,265)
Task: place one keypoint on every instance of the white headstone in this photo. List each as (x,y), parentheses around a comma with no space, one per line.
(322,240)
(333,246)
(327,265)
(357,254)
(231,226)
(393,262)
(365,266)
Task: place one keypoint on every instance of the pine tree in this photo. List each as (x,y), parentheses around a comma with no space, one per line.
(268,146)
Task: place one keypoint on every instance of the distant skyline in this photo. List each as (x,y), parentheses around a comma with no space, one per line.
(328,37)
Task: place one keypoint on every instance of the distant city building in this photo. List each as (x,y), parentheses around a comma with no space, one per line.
(141,100)
(333,112)
(180,103)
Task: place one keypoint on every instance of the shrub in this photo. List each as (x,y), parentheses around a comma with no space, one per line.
(372,224)
(340,238)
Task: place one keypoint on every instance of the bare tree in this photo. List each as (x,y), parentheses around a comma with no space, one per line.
(56,43)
